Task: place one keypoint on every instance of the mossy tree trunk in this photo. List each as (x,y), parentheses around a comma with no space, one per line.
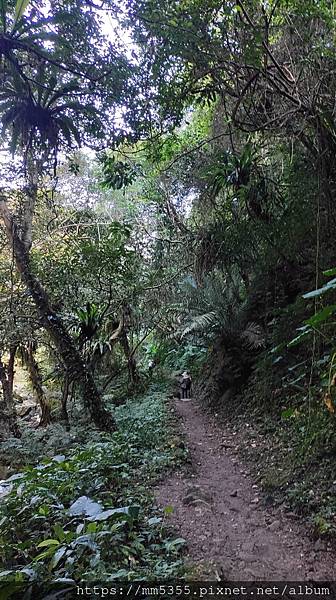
(53,324)
(36,382)
(8,418)
(131,363)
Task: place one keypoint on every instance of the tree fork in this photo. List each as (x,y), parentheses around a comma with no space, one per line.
(53,324)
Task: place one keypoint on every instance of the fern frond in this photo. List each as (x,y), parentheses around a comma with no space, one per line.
(201,323)
(253,336)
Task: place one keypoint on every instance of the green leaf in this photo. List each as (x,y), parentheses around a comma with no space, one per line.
(49,542)
(175,545)
(46,554)
(154,521)
(330,272)
(58,556)
(321,316)
(168,510)
(5,573)
(130,512)
(177,542)
(20,8)
(85,540)
(288,413)
(299,338)
(278,348)
(59,531)
(331,285)
(86,506)
(91,528)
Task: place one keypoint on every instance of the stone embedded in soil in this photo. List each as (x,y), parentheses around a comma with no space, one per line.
(226,445)
(319,545)
(234,494)
(199,502)
(234,509)
(274,526)
(195,496)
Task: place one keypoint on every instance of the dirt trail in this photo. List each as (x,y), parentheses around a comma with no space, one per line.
(219,511)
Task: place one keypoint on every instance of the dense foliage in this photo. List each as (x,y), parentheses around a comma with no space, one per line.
(90,510)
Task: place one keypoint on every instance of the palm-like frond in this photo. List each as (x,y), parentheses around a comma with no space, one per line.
(201,323)
(217,309)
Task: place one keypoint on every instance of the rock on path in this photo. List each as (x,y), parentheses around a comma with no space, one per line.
(218,511)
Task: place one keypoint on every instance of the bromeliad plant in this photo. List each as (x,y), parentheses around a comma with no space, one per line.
(30,102)
(13,30)
(45,113)
(51,96)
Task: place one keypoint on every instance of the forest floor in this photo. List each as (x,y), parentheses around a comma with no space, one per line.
(222,513)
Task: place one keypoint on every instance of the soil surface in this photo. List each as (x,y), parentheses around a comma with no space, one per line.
(219,510)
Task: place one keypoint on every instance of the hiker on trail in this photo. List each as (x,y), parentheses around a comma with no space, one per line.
(151,367)
(186,385)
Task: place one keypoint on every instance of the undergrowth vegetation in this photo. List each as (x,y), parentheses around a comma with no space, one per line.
(288,436)
(89,511)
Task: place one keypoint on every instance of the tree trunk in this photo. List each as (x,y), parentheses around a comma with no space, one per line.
(36,381)
(53,324)
(65,395)
(10,368)
(8,420)
(132,366)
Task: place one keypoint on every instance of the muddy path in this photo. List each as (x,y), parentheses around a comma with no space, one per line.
(219,510)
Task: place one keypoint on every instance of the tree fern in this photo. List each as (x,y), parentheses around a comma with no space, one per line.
(201,323)
(217,310)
